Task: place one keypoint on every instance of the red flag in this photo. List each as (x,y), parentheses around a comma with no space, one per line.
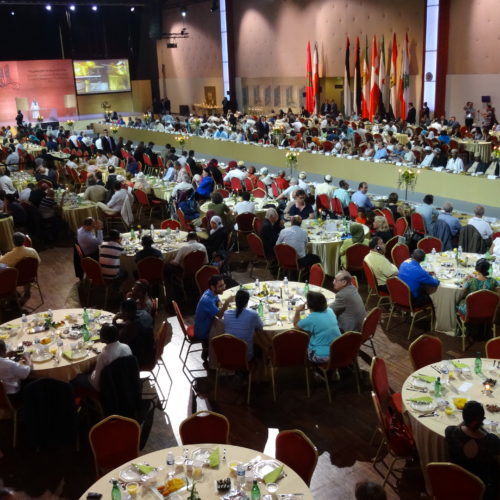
(315,79)
(393,80)
(309,85)
(374,89)
(365,97)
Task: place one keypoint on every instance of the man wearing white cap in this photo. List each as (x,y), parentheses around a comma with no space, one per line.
(455,164)
(428,158)
(325,187)
(141,183)
(265,177)
(302,182)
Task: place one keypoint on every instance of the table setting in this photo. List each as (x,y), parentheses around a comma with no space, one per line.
(230,202)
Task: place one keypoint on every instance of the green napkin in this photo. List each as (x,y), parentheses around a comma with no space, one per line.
(95,338)
(458,364)
(68,354)
(422,399)
(144,469)
(97,313)
(274,475)
(425,378)
(214,458)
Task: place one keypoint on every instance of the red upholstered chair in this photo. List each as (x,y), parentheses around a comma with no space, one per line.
(248,184)
(8,284)
(114,440)
(327,146)
(430,242)
(495,235)
(316,275)
(399,254)
(373,290)
(93,271)
(223,192)
(258,193)
(481,310)
(275,189)
(389,217)
(452,481)
(289,349)
(287,259)
(189,267)
(296,450)
(185,226)
(336,206)
(417,223)
(401,226)
(245,224)
(231,354)
(170,223)
(369,327)
(8,410)
(400,295)
(152,269)
(492,348)
(28,273)
(425,350)
(27,241)
(354,257)
(236,185)
(391,243)
(323,202)
(261,185)
(343,352)
(257,225)
(353,210)
(202,276)
(380,384)
(257,250)
(204,427)
(145,203)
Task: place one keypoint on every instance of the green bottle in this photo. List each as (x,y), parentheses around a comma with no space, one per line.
(132,234)
(306,289)
(116,494)
(261,310)
(437,388)
(478,364)
(255,493)
(85,316)
(85,333)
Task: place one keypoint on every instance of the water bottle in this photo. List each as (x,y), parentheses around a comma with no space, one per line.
(478,364)
(285,285)
(132,234)
(240,476)
(437,387)
(290,311)
(24,324)
(306,288)
(328,216)
(170,464)
(445,373)
(459,252)
(433,253)
(257,285)
(152,230)
(261,310)
(115,491)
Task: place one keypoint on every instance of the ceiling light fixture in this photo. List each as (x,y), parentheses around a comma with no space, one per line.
(94,8)
(48,7)
(183,12)
(72,7)
(132,9)
(12,13)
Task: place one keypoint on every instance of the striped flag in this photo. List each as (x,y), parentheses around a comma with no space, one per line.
(393,78)
(374,90)
(347,84)
(365,97)
(382,105)
(356,104)
(309,85)
(315,79)
(404,81)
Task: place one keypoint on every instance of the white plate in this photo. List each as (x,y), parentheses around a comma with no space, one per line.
(201,454)
(423,407)
(131,473)
(41,357)
(77,355)
(421,384)
(264,467)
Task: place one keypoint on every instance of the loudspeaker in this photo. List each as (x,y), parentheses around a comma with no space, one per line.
(486,98)
(184,109)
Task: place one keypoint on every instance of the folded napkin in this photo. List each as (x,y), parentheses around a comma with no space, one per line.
(458,364)
(274,475)
(214,458)
(144,469)
(422,399)
(95,338)
(68,354)
(425,378)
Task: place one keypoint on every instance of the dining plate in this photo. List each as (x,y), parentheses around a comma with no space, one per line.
(41,357)
(264,467)
(201,454)
(77,355)
(132,473)
(421,384)
(423,407)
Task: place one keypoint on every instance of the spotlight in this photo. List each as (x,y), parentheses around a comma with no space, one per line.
(132,9)
(48,7)
(94,8)
(72,7)
(183,12)
(12,13)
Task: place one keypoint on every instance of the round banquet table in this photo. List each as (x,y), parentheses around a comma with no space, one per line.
(74,215)
(59,366)
(34,149)
(59,155)
(260,211)
(429,431)
(6,232)
(290,483)
(161,189)
(21,179)
(481,147)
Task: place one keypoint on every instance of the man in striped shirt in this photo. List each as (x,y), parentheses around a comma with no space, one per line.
(109,257)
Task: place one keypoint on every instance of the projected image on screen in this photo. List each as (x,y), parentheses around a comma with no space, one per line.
(101,76)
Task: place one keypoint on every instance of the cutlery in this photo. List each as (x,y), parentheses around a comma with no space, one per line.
(417,390)
(439,371)
(224,454)
(433,414)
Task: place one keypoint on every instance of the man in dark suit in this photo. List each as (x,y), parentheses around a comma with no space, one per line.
(262,127)
(107,142)
(411,117)
(325,108)
(152,155)
(195,169)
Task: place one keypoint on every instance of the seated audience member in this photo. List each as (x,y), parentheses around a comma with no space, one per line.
(109,257)
(301,207)
(142,183)
(147,249)
(17,212)
(270,231)
(428,158)
(420,282)
(325,187)
(382,228)
(348,306)
(208,308)
(115,204)
(475,449)
(218,206)
(361,198)
(281,181)
(381,267)
(112,178)
(455,163)
(94,192)
(190,208)
(6,182)
(217,237)
(192,245)
(495,248)
(427,211)
(358,236)
(342,194)
(453,222)
(480,224)
(297,238)
(245,205)
(13,372)
(321,324)
(478,166)
(361,217)
(132,166)
(287,194)
(140,293)
(392,205)
(89,237)
(136,330)
(182,187)
(243,322)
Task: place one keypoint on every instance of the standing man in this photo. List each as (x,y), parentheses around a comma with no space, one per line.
(411,117)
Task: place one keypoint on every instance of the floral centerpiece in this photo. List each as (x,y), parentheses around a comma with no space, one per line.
(70,123)
(114,129)
(292,157)
(196,123)
(278,129)
(496,152)
(407,178)
(181,139)
(40,118)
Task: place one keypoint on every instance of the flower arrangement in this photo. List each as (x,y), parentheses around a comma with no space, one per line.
(196,122)
(70,123)
(182,139)
(496,152)
(279,129)
(407,178)
(40,118)
(114,129)
(292,157)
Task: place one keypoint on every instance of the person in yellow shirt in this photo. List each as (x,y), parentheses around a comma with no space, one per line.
(381,267)
(18,253)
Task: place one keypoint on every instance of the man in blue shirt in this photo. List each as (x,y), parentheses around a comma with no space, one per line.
(381,153)
(207,309)
(421,282)
(453,222)
(427,211)
(360,197)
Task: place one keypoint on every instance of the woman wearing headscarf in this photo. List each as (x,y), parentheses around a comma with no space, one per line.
(358,236)
(217,237)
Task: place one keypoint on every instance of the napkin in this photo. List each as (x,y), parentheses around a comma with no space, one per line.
(274,475)
(422,399)
(68,354)
(458,364)
(144,469)
(425,378)
(214,458)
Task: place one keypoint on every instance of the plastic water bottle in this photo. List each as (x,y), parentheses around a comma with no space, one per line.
(24,323)
(445,373)
(240,476)
(152,230)
(306,289)
(437,387)
(433,253)
(285,286)
(290,311)
(478,364)
(257,285)
(459,252)
(170,464)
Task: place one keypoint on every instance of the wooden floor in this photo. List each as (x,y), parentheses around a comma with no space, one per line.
(341,431)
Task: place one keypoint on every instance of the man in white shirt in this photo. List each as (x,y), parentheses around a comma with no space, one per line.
(288,192)
(184,185)
(12,372)
(244,206)
(325,187)
(408,156)
(192,245)
(12,161)
(71,164)
(116,202)
(113,160)
(455,164)
(480,224)
(302,182)
(428,158)
(237,173)
(74,140)
(101,160)
(6,182)
(24,195)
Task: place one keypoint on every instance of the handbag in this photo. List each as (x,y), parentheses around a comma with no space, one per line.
(399,436)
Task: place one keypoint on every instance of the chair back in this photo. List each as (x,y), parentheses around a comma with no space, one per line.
(481,306)
(417,223)
(230,352)
(258,193)
(151,269)
(27,241)
(245,222)
(336,206)
(8,281)
(327,146)
(492,348)
(92,270)
(289,348)
(370,323)
(114,441)
(323,202)
(344,350)
(401,226)
(389,216)
(204,427)
(248,184)
(316,275)
(188,332)
(425,350)
(353,210)
(256,245)
(170,223)
(275,189)
(355,255)
(399,254)
(390,245)
(203,275)
(141,197)
(236,185)
(354,281)
(257,225)
(296,450)
(6,408)
(192,262)
(370,277)
(28,270)
(147,160)
(452,481)
(182,220)
(430,242)
(286,256)
(379,380)
(223,192)
(399,292)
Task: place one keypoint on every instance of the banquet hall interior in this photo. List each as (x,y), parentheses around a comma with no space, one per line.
(187,187)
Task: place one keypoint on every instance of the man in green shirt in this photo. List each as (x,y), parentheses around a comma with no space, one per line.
(381,267)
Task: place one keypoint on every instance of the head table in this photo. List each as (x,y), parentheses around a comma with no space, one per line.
(290,485)
(57,351)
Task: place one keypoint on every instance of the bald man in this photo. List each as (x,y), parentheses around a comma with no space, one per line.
(348,305)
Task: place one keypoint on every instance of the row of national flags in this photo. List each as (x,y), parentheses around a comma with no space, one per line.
(365,93)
